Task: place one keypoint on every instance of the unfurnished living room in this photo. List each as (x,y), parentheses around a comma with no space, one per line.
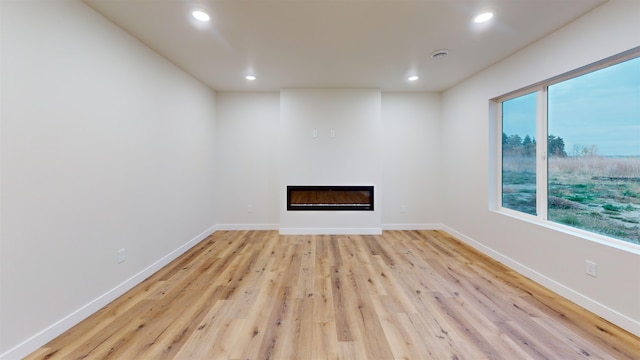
(320,179)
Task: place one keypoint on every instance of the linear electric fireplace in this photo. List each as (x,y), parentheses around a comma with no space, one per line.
(331,198)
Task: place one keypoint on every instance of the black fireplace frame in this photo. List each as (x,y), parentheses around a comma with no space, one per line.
(368,206)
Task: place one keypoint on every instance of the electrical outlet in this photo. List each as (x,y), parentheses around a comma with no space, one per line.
(121,256)
(403,208)
(250,209)
(591,268)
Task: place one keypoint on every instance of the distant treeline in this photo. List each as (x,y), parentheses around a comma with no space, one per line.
(515,145)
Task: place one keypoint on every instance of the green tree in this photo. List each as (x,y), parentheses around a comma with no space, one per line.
(529,146)
(555,146)
(514,145)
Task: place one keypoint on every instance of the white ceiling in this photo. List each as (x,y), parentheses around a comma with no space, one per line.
(337,43)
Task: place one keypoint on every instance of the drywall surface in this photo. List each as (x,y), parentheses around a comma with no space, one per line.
(248,143)
(411,156)
(105,146)
(330,137)
(247,150)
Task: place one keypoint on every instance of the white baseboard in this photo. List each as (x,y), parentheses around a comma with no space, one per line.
(232,227)
(36,341)
(330,231)
(411,226)
(595,307)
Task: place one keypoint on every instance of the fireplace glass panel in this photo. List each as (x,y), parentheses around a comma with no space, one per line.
(358,198)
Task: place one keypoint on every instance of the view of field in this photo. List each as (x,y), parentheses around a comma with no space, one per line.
(592,126)
(595,193)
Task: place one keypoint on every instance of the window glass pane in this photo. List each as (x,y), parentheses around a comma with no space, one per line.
(594,151)
(519,154)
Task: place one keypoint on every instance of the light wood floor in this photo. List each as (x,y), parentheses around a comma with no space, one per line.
(401,295)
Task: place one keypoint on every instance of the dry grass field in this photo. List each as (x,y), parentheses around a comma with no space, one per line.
(595,193)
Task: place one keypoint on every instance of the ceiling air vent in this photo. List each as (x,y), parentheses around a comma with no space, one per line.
(439,54)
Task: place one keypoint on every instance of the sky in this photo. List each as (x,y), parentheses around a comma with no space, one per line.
(601,108)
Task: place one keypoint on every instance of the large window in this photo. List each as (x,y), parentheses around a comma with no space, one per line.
(570,150)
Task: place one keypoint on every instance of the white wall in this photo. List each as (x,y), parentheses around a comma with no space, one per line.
(104,145)
(550,257)
(249,139)
(247,150)
(352,157)
(411,156)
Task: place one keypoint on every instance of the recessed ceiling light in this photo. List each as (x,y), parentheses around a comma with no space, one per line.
(200,15)
(250,77)
(483,17)
(413,78)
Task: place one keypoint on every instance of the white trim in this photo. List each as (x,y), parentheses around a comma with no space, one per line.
(570,230)
(411,226)
(494,191)
(542,155)
(44,336)
(330,231)
(589,68)
(240,227)
(597,308)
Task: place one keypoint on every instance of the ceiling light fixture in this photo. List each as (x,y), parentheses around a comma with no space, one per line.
(200,15)
(413,78)
(439,54)
(250,77)
(483,17)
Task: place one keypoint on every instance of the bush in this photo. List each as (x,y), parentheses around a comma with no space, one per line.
(570,220)
(610,207)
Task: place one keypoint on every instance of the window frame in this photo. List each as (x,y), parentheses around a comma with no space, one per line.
(541,89)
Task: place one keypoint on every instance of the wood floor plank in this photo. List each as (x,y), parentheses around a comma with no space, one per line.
(323,295)
(368,324)
(325,342)
(400,295)
(248,345)
(306,280)
(349,350)
(345,324)
(302,330)
(401,343)
(441,338)
(431,342)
